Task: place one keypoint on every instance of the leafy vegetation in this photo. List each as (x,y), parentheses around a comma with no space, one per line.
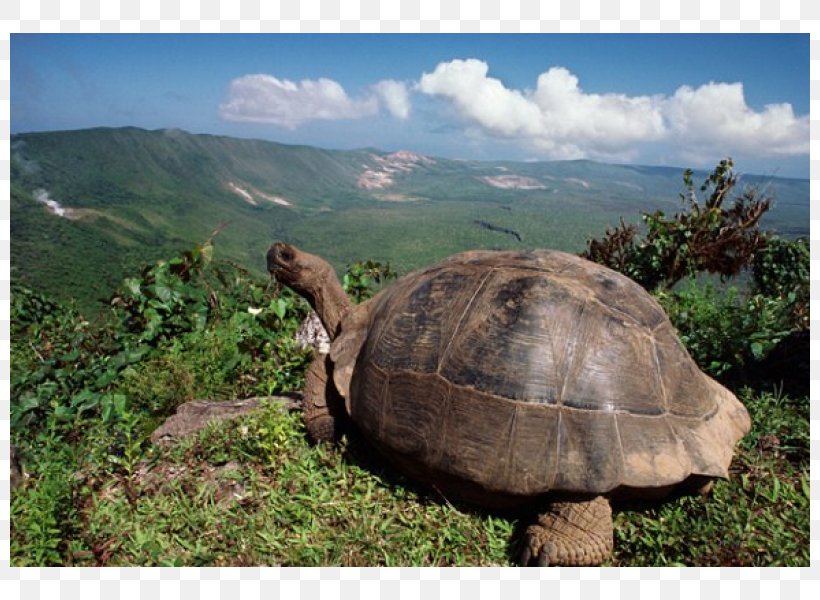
(87,395)
(178,312)
(705,237)
(723,329)
(781,270)
(363,277)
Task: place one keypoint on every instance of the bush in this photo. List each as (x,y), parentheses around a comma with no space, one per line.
(188,325)
(781,270)
(43,508)
(704,237)
(723,330)
(363,277)
(236,358)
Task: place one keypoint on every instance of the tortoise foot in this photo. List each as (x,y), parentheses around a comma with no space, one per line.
(321,428)
(573,533)
(322,406)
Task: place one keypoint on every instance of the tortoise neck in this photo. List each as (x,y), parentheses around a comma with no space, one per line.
(327,297)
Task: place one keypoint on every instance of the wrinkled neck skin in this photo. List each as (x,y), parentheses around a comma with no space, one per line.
(325,294)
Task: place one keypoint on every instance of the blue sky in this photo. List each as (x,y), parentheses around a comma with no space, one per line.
(680,100)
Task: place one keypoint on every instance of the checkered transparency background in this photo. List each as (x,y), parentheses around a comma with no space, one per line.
(410,16)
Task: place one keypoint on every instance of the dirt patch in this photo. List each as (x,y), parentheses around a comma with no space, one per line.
(55,207)
(513,182)
(380,175)
(250,195)
(394,197)
(575,180)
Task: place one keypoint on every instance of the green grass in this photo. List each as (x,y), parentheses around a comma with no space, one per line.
(253,492)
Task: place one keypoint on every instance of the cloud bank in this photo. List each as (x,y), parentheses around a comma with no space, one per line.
(716,114)
(556,117)
(560,120)
(265,99)
(556,120)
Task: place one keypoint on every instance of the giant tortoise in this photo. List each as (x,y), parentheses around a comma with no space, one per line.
(508,378)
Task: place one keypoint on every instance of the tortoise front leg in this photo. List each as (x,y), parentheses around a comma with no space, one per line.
(571,533)
(324,411)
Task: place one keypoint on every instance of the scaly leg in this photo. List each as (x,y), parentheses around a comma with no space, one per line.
(570,533)
(323,407)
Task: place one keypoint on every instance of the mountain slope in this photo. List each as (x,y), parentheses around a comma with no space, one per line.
(89,206)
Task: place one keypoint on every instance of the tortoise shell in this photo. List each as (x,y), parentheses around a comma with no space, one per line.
(512,374)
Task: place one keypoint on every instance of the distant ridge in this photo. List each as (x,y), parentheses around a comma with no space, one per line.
(127,196)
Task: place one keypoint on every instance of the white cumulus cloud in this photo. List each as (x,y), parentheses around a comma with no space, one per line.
(266,99)
(557,117)
(560,120)
(716,114)
(394,96)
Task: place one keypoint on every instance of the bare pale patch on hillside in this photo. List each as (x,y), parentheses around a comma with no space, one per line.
(250,194)
(53,206)
(380,175)
(575,180)
(513,182)
(395,197)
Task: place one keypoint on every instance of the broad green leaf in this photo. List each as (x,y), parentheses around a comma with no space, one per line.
(63,413)
(280,307)
(132,284)
(163,292)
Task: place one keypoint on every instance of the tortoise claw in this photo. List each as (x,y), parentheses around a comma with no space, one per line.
(524,556)
(530,558)
(544,556)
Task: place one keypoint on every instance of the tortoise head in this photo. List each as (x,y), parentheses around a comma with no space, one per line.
(296,269)
(314,279)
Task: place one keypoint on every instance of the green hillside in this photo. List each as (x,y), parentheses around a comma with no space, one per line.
(88,485)
(133,196)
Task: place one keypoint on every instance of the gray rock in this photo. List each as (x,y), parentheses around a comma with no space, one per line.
(196,414)
(312,334)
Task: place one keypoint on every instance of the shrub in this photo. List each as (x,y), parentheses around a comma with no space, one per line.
(43,508)
(723,330)
(191,323)
(781,270)
(704,237)
(363,277)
